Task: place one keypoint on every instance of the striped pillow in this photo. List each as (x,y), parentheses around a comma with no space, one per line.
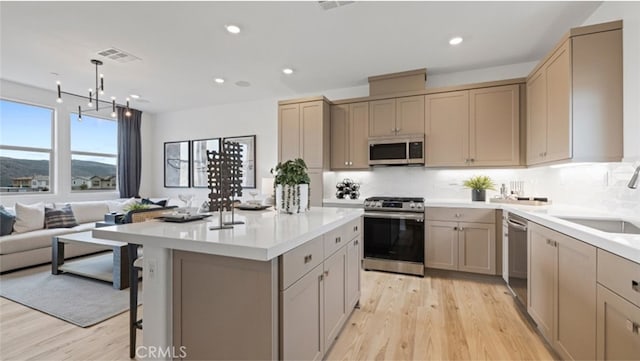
(59,218)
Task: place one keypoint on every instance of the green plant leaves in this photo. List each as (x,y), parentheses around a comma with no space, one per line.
(479,182)
(291,172)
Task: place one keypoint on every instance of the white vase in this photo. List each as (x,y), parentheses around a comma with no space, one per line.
(288,194)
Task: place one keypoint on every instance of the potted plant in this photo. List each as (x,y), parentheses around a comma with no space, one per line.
(479,186)
(291,184)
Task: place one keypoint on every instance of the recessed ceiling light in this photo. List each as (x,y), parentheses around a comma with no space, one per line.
(219,80)
(455,40)
(233,29)
(135,96)
(243,83)
(287,71)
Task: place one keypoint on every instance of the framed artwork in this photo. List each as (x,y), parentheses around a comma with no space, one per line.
(248,144)
(176,164)
(199,160)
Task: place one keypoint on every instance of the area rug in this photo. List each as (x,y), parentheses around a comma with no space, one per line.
(79,300)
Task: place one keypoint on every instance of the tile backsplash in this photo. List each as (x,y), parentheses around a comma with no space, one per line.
(600,186)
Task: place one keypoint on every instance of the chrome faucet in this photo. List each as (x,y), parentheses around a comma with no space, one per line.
(633,183)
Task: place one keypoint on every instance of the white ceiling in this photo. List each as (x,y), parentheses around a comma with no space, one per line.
(184,45)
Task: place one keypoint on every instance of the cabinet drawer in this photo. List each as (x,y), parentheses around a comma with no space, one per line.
(475,215)
(353,228)
(337,238)
(300,260)
(619,275)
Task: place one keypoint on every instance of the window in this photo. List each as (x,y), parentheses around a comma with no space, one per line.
(94,149)
(25,147)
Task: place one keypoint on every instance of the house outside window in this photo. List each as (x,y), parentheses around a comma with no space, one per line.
(94,149)
(26,138)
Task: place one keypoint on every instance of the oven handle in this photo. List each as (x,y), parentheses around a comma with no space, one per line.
(391,215)
(517,225)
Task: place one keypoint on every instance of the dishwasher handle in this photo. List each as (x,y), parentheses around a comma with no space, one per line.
(517,225)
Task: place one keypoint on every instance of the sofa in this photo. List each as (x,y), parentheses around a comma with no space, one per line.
(33,247)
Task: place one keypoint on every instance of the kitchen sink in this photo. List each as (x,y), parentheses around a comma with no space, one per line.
(606,225)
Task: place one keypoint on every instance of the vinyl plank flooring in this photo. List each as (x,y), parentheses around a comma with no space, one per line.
(443,316)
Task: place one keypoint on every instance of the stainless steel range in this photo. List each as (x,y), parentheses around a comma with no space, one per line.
(394,234)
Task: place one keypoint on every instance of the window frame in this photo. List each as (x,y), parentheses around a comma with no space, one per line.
(91,154)
(51,150)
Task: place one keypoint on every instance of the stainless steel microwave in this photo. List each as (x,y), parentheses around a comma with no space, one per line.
(396,150)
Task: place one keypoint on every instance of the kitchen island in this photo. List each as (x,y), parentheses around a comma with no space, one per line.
(278,286)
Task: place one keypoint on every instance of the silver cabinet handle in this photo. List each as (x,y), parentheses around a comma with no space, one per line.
(458,215)
(308,258)
(455,228)
(635,286)
(326,274)
(552,243)
(355,243)
(346,163)
(393,130)
(338,239)
(350,163)
(632,326)
(472,160)
(461,229)
(397,130)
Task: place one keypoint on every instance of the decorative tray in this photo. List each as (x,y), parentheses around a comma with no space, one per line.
(252,207)
(181,218)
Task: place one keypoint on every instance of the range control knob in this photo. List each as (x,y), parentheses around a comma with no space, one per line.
(378,204)
(412,205)
(419,205)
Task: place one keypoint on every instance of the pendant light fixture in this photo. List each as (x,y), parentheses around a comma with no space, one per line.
(99,90)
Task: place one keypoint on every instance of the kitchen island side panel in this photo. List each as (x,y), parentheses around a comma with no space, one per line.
(224,307)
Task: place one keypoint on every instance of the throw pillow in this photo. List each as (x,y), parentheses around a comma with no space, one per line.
(59,218)
(161,203)
(29,217)
(119,206)
(6,221)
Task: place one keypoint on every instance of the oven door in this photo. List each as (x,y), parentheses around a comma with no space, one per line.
(394,236)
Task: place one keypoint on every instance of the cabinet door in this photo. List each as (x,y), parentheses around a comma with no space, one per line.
(542,276)
(477,247)
(303,318)
(315,187)
(575,326)
(447,129)
(536,117)
(618,333)
(340,136)
(353,273)
(358,135)
(441,245)
(382,117)
(289,132)
(410,115)
(311,133)
(335,306)
(558,73)
(494,126)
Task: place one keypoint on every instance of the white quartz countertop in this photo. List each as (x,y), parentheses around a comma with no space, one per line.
(265,235)
(624,245)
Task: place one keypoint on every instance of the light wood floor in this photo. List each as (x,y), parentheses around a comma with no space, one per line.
(438,317)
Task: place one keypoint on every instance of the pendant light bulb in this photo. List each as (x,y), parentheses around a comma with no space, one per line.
(128,112)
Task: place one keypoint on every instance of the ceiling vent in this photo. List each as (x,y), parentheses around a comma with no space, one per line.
(118,55)
(328,5)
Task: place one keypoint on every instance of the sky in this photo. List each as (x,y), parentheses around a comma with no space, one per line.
(30,126)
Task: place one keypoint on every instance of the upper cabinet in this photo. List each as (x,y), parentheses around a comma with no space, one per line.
(476,127)
(303,132)
(398,116)
(574,99)
(349,130)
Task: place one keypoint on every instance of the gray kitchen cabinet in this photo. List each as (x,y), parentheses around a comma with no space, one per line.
(335,301)
(574,98)
(303,318)
(618,308)
(303,132)
(316,305)
(462,239)
(562,291)
(353,272)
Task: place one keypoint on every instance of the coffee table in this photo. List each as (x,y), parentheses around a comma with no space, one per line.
(96,267)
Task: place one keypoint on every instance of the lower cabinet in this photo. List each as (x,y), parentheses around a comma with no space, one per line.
(315,307)
(562,291)
(618,327)
(454,242)
(303,318)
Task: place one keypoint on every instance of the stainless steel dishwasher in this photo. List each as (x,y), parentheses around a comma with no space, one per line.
(518,257)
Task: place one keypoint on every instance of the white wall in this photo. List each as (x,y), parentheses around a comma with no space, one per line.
(62,156)
(258,117)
